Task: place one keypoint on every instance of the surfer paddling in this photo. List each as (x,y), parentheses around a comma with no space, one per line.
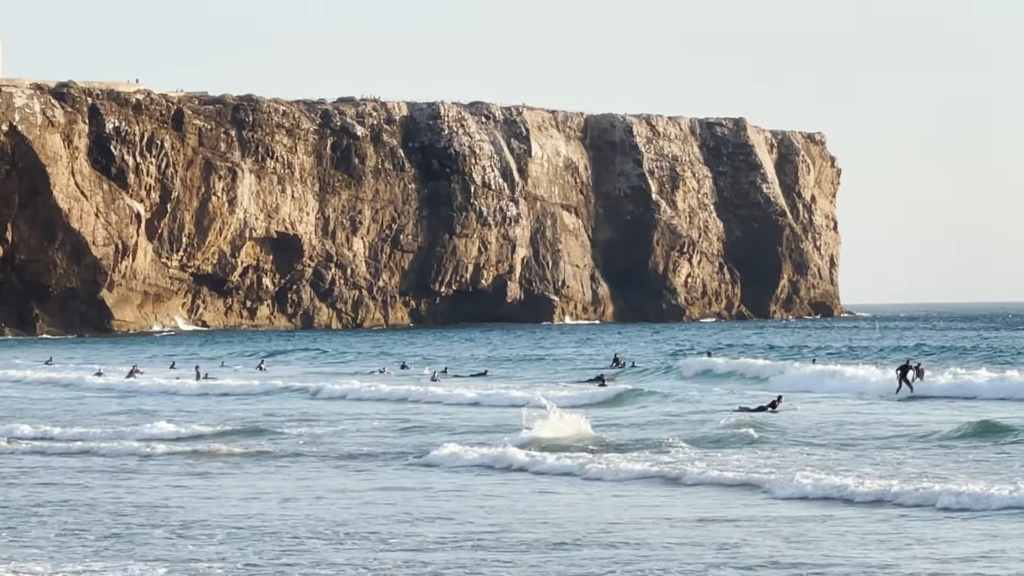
(769,407)
(601,380)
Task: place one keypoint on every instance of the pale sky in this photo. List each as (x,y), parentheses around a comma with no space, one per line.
(920,99)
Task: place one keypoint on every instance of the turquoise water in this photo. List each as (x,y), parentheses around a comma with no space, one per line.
(318,466)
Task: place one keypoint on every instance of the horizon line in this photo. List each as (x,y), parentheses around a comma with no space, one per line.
(938,302)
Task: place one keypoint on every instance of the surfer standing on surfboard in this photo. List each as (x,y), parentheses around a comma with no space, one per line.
(769,407)
(901,376)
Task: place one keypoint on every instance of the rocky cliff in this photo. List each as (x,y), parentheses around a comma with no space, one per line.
(121,211)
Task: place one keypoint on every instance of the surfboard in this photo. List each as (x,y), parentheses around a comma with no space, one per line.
(756,411)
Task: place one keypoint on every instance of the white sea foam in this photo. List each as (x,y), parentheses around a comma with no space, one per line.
(186,326)
(571,320)
(554,424)
(154,431)
(861,379)
(114,449)
(484,396)
(800,485)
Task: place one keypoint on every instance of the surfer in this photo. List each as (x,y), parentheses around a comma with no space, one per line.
(445,371)
(709,353)
(208,377)
(769,407)
(49,362)
(617,362)
(404,366)
(901,376)
(99,373)
(918,373)
(199,375)
(222,364)
(434,377)
(262,366)
(380,371)
(134,372)
(600,379)
(174,366)
(477,375)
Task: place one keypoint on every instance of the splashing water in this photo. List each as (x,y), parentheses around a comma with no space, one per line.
(555,424)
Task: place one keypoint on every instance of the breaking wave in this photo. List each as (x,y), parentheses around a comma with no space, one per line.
(801,485)
(858,379)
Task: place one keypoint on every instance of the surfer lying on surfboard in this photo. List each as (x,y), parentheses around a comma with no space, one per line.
(601,380)
(769,407)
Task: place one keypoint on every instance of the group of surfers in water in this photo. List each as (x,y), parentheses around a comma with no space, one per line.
(906,374)
(135,371)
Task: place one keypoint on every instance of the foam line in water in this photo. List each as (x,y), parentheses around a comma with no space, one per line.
(861,379)
(803,485)
(153,431)
(490,396)
(116,449)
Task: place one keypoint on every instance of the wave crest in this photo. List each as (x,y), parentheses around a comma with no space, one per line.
(802,485)
(860,379)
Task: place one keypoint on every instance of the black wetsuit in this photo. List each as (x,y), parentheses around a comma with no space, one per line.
(771,406)
(901,377)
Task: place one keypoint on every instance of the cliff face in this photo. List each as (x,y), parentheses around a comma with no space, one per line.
(122,211)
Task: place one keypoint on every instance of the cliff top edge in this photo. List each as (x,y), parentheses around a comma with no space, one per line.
(95,89)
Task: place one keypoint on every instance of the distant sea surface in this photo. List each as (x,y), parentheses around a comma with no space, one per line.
(320,466)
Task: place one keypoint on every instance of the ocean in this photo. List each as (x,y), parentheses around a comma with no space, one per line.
(321,466)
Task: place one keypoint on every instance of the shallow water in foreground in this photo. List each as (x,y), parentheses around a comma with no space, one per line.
(319,467)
